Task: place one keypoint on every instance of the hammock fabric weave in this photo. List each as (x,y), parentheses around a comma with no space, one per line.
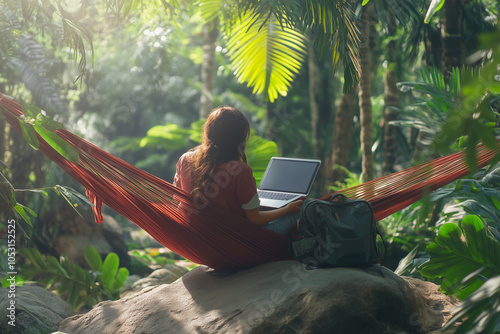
(204,233)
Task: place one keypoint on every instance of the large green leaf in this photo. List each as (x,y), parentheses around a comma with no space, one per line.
(93,258)
(481,310)
(29,133)
(266,54)
(21,210)
(108,270)
(120,279)
(169,137)
(34,122)
(62,147)
(458,258)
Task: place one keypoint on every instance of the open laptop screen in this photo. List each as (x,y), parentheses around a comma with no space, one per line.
(289,175)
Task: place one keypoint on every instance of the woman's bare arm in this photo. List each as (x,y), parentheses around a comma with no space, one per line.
(263,217)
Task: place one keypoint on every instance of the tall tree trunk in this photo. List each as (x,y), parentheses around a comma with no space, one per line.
(451,34)
(314,89)
(433,46)
(321,100)
(342,140)
(3,141)
(391,98)
(210,33)
(365,105)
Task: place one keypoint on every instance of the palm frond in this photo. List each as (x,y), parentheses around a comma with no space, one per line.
(333,25)
(34,66)
(407,12)
(266,54)
(9,27)
(212,9)
(50,15)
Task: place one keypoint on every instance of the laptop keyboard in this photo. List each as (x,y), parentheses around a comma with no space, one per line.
(275,195)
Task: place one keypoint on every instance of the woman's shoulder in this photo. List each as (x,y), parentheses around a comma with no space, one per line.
(186,157)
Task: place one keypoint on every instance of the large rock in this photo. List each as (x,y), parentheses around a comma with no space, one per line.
(166,275)
(77,233)
(439,306)
(280,297)
(64,232)
(36,310)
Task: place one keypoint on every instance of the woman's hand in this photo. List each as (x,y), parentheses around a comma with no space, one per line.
(294,206)
(263,217)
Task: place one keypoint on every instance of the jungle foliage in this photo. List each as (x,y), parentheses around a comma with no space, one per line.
(78,286)
(134,89)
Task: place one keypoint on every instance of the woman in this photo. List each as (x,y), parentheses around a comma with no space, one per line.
(217,170)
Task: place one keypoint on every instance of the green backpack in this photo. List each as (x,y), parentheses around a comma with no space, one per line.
(338,232)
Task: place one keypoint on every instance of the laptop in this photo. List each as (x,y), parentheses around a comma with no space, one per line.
(286,180)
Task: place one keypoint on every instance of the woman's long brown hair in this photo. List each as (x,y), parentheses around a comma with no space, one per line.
(225,134)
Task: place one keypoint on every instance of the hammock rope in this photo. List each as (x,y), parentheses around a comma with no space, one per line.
(204,233)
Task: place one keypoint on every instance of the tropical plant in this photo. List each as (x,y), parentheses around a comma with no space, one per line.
(466,262)
(73,283)
(474,117)
(78,286)
(476,196)
(481,310)
(277,54)
(433,101)
(471,117)
(408,266)
(407,228)
(271,72)
(10,207)
(350,180)
(463,257)
(25,55)
(110,277)
(35,124)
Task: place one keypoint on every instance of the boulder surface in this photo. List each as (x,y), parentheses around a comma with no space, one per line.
(35,310)
(165,275)
(279,297)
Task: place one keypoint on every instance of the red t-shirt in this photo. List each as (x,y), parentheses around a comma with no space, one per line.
(233,187)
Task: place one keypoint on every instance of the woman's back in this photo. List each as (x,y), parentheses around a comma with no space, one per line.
(231,187)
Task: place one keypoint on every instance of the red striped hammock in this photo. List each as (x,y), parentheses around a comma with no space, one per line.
(206,234)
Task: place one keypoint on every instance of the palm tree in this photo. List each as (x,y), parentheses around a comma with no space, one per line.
(342,139)
(451,34)
(365,105)
(391,98)
(314,90)
(210,33)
